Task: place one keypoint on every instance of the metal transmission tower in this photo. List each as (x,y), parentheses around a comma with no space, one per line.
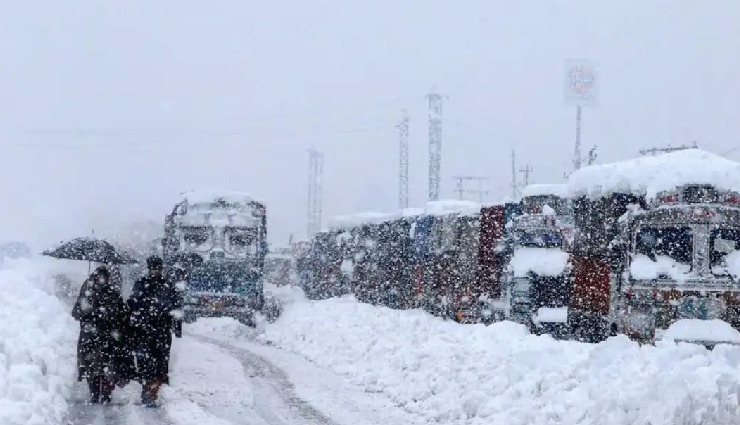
(403,161)
(669,148)
(435,144)
(315,178)
(460,189)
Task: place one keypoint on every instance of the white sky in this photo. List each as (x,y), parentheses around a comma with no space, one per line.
(109,108)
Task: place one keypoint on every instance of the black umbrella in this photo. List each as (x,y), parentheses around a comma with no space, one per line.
(89,249)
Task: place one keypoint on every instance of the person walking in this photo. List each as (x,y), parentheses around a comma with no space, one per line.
(155,314)
(103,356)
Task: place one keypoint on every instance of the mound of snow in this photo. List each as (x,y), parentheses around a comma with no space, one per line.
(696,330)
(37,347)
(472,374)
(542,261)
(652,174)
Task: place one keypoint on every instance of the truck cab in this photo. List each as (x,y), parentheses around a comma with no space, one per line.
(681,267)
(219,241)
(538,272)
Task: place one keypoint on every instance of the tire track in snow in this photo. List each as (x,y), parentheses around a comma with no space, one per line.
(275,398)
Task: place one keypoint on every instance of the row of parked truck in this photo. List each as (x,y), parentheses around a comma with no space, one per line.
(648,247)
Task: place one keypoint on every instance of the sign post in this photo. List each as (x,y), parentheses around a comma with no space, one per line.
(580,90)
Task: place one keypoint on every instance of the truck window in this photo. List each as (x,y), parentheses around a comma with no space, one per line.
(195,236)
(673,242)
(724,244)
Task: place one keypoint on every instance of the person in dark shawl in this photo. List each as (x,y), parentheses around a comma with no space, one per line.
(156,310)
(103,355)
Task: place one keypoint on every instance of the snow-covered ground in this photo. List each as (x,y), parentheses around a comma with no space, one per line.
(37,354)
(448,373)
(342,362)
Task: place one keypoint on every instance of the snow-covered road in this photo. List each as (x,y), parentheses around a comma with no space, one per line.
(221,376)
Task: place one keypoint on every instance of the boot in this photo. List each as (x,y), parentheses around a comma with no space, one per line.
(106,390)
(93,384)
(150,393)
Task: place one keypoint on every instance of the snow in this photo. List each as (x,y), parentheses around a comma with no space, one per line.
(652,174)
(551,315)
(548,210)
(732,262)
(560,190)
(697,330)
(355,220)
(37,347)
(412,212)
(542,261)
(444,372)
(207,196)
(452,206)
(643,268)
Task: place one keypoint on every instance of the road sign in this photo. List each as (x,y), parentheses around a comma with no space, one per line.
(580,82)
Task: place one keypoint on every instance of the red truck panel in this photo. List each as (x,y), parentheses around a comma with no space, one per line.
(591,285)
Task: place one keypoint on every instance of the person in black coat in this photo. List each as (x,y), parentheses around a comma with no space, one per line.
(103,356)
(155,313)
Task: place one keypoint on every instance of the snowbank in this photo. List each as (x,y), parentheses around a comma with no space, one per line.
(696,330)
(542,261)
(560,190)
(471,374)
(37,347)
(652,174)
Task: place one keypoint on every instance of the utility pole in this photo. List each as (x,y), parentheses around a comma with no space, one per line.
(526,171)
(577,148)
(480,192)
(315,183)
(435,144)
(403,161)
(656,151)
(514,186)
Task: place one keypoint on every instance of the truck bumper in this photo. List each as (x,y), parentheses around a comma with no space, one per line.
(245,315)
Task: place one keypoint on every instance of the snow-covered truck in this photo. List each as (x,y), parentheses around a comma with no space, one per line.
(220,240)
(656,252)
(538,274)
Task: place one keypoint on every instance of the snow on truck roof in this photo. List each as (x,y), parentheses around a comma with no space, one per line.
(433,208)
(354,220)
(560,190)
(452,206)
(206,196)
(652,174)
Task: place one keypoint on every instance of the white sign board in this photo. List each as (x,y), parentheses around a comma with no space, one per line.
(580,82)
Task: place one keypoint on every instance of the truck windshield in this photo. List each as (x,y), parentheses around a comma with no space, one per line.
(675,243)
(539,239)
(724,248)
(535,204)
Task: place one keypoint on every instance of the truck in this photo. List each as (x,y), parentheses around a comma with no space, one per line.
(657,244)
(538,273)
(219,242)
